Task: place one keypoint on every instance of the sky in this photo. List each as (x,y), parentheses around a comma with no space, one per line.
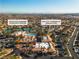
(39,6)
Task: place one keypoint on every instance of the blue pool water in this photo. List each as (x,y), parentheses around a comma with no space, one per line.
(31,34)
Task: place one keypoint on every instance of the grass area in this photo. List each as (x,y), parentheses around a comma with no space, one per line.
(14,57)
(2,53)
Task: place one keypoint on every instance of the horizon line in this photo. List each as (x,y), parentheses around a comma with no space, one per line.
(43,13)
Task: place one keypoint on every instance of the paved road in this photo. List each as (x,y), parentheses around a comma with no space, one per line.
(70,46)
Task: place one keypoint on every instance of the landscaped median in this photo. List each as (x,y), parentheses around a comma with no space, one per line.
(5,52)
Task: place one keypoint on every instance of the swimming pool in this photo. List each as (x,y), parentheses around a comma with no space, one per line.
(31,34)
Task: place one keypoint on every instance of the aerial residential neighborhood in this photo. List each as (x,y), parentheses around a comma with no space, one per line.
(27,37)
